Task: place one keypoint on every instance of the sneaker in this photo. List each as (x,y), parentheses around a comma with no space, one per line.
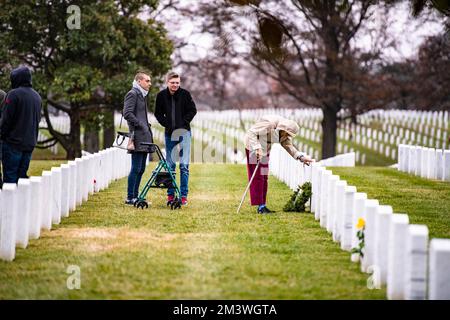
(184,201)
(265,210)
(130,201)
(170,199)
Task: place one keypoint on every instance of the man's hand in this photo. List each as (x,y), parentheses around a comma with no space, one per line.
(259,154)
(306,160)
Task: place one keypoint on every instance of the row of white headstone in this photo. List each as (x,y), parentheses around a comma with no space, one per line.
(59,123)
(395,252)
(227,121)
(424,162)
(409,118)
(37,203)
(294,173)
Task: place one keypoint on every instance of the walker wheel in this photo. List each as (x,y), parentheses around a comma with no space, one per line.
(141,204)
(176,204)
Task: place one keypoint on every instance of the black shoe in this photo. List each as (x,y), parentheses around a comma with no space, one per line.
(265,210)
(130,201)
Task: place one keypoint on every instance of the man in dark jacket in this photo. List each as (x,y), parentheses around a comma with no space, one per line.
(135,112)
(175,110)
(2,100)
(19,125)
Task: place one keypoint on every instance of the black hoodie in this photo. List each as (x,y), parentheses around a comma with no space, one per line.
(21,114)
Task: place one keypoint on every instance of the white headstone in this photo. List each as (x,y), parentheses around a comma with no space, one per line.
(447,165)
(56,195)
(338,214)
(382,224)
(326,174)
(419,153)
(370,211)
(331,201)
(23,212)
(8,217)
(412,158)
(80,180)
(425,163)
(439,266)
(402,157)
(36,211)
(347,218)
(47,207)
(65,190)
(431,169)
(396,256)
(358,212)
(73,185)
(416,262)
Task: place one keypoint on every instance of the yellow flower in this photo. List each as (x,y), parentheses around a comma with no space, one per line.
(361,223)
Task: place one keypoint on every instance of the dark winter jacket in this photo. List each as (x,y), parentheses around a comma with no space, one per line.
(2,99)
(21,114)
(185,109)
(135,112)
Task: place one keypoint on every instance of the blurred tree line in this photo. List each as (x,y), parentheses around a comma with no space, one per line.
(83,71)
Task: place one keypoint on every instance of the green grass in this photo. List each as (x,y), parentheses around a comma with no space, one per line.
(425,201)
(204,251)
(37,166)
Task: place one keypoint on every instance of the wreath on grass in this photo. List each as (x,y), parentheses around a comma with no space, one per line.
(297,202)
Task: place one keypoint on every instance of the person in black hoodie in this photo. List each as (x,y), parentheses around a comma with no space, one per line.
(2,99)
(19,125)
(175,110)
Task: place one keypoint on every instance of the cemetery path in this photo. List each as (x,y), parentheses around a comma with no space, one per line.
(204,251)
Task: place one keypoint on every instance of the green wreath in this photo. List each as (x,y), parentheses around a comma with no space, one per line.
(297,202)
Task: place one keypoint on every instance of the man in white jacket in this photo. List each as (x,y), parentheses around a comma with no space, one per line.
(258,140)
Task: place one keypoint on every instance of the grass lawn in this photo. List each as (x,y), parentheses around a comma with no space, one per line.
(204,251)
(425,201)
(37,166)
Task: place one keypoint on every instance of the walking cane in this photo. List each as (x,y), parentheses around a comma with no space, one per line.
(248,186)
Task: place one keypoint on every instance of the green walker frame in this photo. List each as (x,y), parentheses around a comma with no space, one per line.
(161,177)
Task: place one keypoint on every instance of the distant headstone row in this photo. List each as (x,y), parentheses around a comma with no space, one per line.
(427,163)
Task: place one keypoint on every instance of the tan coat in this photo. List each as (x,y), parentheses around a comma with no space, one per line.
(266,131)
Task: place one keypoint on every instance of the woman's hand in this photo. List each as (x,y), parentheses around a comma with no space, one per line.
(259,154)
(306,160)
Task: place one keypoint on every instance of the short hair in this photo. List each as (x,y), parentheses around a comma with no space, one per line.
(140,75)
(172,75)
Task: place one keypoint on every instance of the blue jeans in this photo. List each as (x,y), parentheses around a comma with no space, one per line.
(138,160)
(183,138)
(15,163)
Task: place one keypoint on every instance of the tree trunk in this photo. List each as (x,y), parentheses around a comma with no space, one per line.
(331,103)
(108,130)
(74,148)
(91,141)
(329,127)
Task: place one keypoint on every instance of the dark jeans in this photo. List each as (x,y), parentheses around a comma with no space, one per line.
(15,163)
(183,138)
(138,160)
